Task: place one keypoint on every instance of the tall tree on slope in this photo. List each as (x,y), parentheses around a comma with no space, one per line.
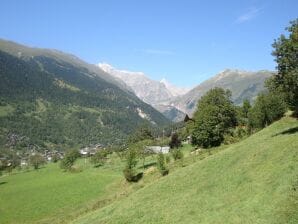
(286,56)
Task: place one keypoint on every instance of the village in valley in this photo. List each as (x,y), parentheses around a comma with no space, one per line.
(152,112)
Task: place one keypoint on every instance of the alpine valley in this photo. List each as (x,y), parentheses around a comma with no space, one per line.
(52,99)
(175,102)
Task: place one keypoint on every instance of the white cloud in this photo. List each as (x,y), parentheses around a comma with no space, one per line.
(248,15)
(156,52)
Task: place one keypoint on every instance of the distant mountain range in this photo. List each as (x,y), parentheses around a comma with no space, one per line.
(148,90)
(52,99)
(243,85)
(158,94)
(175,102)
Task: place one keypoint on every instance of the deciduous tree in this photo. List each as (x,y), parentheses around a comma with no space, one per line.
(215,115)
(36,160)
(69,159)
(268,107)
(286,56)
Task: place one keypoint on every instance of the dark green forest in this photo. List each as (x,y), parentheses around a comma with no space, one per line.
(46,102)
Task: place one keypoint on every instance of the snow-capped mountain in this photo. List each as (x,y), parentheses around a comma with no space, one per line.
(175,102)
(175,90)
(148,90)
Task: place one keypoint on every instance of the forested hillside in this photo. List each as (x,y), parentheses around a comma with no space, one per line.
(47,101)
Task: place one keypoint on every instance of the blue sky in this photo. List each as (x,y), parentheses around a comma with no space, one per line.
(185,41)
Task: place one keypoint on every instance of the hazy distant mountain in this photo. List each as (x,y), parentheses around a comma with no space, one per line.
(243,84)
(170,112)
(175,102)
(175,91)
(148,90)
(157,94)
(52,99)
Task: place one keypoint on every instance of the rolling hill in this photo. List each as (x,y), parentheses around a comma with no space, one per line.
(253,181)
(52,99)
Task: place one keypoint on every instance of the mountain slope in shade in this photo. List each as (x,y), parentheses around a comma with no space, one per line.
(22,51)
(243,85)
(170,112)
(52,98)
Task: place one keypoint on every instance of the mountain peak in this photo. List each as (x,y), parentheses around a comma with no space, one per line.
(230,73)
(176,91)
(165,82)
(104,65)
(115,72)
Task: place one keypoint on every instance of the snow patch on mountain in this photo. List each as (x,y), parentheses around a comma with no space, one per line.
(150,91)
(142,114)
(176,91)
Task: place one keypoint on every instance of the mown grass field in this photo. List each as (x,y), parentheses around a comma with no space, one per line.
(253,181)
(51,195)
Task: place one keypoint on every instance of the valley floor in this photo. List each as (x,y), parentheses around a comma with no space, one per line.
(253,181)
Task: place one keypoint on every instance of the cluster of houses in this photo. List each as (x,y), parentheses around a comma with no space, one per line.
(51,155)
(48,155)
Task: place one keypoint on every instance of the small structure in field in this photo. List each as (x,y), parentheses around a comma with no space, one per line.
(158,149)
(91,149)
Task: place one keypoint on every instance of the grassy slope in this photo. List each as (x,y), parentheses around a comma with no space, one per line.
(49,192)
(253,181)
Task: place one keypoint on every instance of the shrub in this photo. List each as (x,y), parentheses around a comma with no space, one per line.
(131,159)
(168,159)
(99,158)
(235,135)
(161,165)
(177,154)
(131,162)
(268,108)
(128,174)
(55,158)
(69,159)
(37,160)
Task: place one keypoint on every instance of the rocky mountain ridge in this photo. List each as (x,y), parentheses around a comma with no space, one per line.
(175,102)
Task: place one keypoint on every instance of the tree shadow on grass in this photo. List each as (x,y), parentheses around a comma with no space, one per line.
(147,165)
(288,131)
(4,182)
(137,177)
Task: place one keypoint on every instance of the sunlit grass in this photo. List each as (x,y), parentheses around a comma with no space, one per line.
(252,181)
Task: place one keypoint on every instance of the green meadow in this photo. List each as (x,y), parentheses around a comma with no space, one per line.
(253,181)
(50,194)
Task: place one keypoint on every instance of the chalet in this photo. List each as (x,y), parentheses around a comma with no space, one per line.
(187,118)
